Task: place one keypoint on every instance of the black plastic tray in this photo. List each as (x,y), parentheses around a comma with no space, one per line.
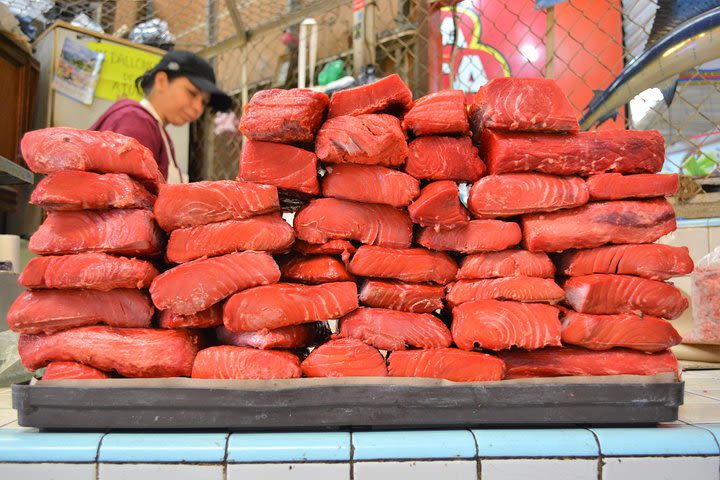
(308,403)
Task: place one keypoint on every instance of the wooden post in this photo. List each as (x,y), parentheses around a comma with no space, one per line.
(550,43)
(363,34)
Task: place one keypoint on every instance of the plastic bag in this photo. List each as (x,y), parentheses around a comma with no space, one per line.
(331,72)
(154,32)
(11,370)
(706,300)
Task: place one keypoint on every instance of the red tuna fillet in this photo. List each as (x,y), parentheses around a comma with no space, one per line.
(209,318)
(571,361)
(586,153)
(516,193)
(344,357)
(365,139)
(122,232)
(93,271)
(242,363)
(393,330)
(48,311)
(602,332)
(284,116)
(370,184)
(649,260)
(519,289)
(196,286)
(397,295)
(284,304)
(620,221)
(476,236)
(439,206)
(332,247)
(446,363)
(388,94)
(441,113)
(522,104)
(611,294)
(324,219)
(71,371)
(131,352)
(283,166)
(293,336)
(78,190)
(444,158)
(267,233)
(60,148)
(193,204)
(407,264)
(497,325)
(314,269)
(614,186)
(508,263)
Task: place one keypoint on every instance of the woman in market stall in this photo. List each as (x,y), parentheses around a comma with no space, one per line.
(177,90)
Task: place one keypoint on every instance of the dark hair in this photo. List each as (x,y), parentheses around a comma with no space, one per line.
(145,82)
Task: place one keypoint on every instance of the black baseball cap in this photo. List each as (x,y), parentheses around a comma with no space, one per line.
(198,71)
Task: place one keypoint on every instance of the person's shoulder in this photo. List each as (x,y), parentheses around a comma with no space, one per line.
(128,106)
(123,113)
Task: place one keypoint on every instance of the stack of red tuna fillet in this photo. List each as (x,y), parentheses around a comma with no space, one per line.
(545,269)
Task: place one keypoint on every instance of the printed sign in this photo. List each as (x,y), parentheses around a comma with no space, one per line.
(122,66)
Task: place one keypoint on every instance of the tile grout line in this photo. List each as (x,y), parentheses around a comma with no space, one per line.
(352,456)
(478,465)
(225,456)
(601,463)
(97,457)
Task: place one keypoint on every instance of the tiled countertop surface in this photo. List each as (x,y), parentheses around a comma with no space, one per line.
(687,448)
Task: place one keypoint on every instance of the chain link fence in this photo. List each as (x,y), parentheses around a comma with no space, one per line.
(586,45)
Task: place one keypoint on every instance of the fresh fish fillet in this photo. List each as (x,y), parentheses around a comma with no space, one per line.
(122,232)
(344,357)
(572,361)
(293,336)
(506,263)
(131,352)
(92,271)
(195,286)
(78,190)
(388,94)
(610,294)
(496,325)
(267,233)
(602,332)
(193,204)
(284,116)
(519,289)
(314,269)
(446,363)
(332,247)
(522,104)
(284,304)
(597,223)
(407,264)
(374,139)
(208,318)
(387,329)
(325,219)
(585,153)
(406,297)
(48,311)
(439,206)
(648,260)
(517,193)
(370,184)
(242,363)
(444,158)
(614,186)
(71,371)
(283,166)
(61,148)
(441,113)
(476,236)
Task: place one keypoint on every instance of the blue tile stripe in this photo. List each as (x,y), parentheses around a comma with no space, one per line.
(426,444)
(674,439)
(534,443)
(163,447)
(289,447)
(692,222)
(22,445)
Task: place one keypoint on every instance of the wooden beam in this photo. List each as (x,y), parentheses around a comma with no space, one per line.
(702,205)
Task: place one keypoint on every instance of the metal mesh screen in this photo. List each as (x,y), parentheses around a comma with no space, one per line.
(584,44)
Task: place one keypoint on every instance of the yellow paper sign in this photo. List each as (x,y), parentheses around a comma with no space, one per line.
(122,65)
